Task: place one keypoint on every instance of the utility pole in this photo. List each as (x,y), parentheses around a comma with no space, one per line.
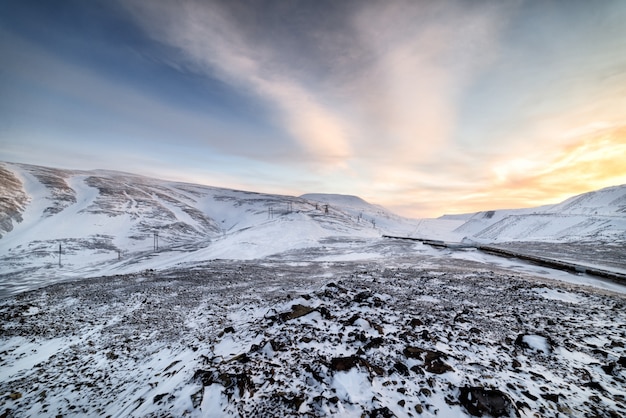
(156,241)
(270,212)
(59,254)
(326,209)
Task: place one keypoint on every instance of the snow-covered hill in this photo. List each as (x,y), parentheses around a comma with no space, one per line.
(598,216)
(112,221)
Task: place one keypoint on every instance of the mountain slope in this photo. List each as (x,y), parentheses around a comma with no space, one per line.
(119,219)
(598,216)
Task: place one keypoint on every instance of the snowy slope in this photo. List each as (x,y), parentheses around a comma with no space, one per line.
(598,216)
(109,220)
(364,212)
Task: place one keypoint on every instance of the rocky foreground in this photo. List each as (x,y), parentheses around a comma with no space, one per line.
(314,339)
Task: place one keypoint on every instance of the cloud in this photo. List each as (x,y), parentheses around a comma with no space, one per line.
(422,57)
(214,44)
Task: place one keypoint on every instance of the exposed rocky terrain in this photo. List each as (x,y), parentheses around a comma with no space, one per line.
(282,338)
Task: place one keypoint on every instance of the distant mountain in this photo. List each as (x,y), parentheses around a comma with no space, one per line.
(598,216)
(99,216)
(358,208)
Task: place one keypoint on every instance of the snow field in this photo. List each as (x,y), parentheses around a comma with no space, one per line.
(282,339)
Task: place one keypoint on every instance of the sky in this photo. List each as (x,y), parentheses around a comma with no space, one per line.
(425,107)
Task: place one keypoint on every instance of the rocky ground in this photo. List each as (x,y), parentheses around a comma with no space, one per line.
(314,338)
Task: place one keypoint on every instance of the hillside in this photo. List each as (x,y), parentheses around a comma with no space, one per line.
(113,221)
(594,217)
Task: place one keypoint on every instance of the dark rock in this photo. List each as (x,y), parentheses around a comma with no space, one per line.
(600,352)
(437,366)
(516,364)
(552,397)
(278,345)
(414,352)
(362,296)
(241,358)
(478,400)
(297,311)
(433,360)
(229,330)
(383,412)
(608,369)
(346,363)
(594,385)
(415,322)
(622,361)
(417,370)
(401,368)
(374,343)
(529,395)
(342,364)
(158,397)
(353,319)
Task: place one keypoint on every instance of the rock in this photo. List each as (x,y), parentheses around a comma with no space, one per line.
(157,398)
(594,385)
(297,311)
(415,322)
(341,364)
(478,400)
(383,412)
(433,360)
(373,343)
(362,296)
(414,352)
(552,397)
(608,369)
(15,396)
(622,361)
(401,368)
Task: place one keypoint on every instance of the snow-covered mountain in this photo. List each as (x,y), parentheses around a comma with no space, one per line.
(114,218)
(598,216)
(358,208)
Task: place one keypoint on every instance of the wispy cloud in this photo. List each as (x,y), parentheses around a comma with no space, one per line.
(387,108)
(214,44)
(427,107)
